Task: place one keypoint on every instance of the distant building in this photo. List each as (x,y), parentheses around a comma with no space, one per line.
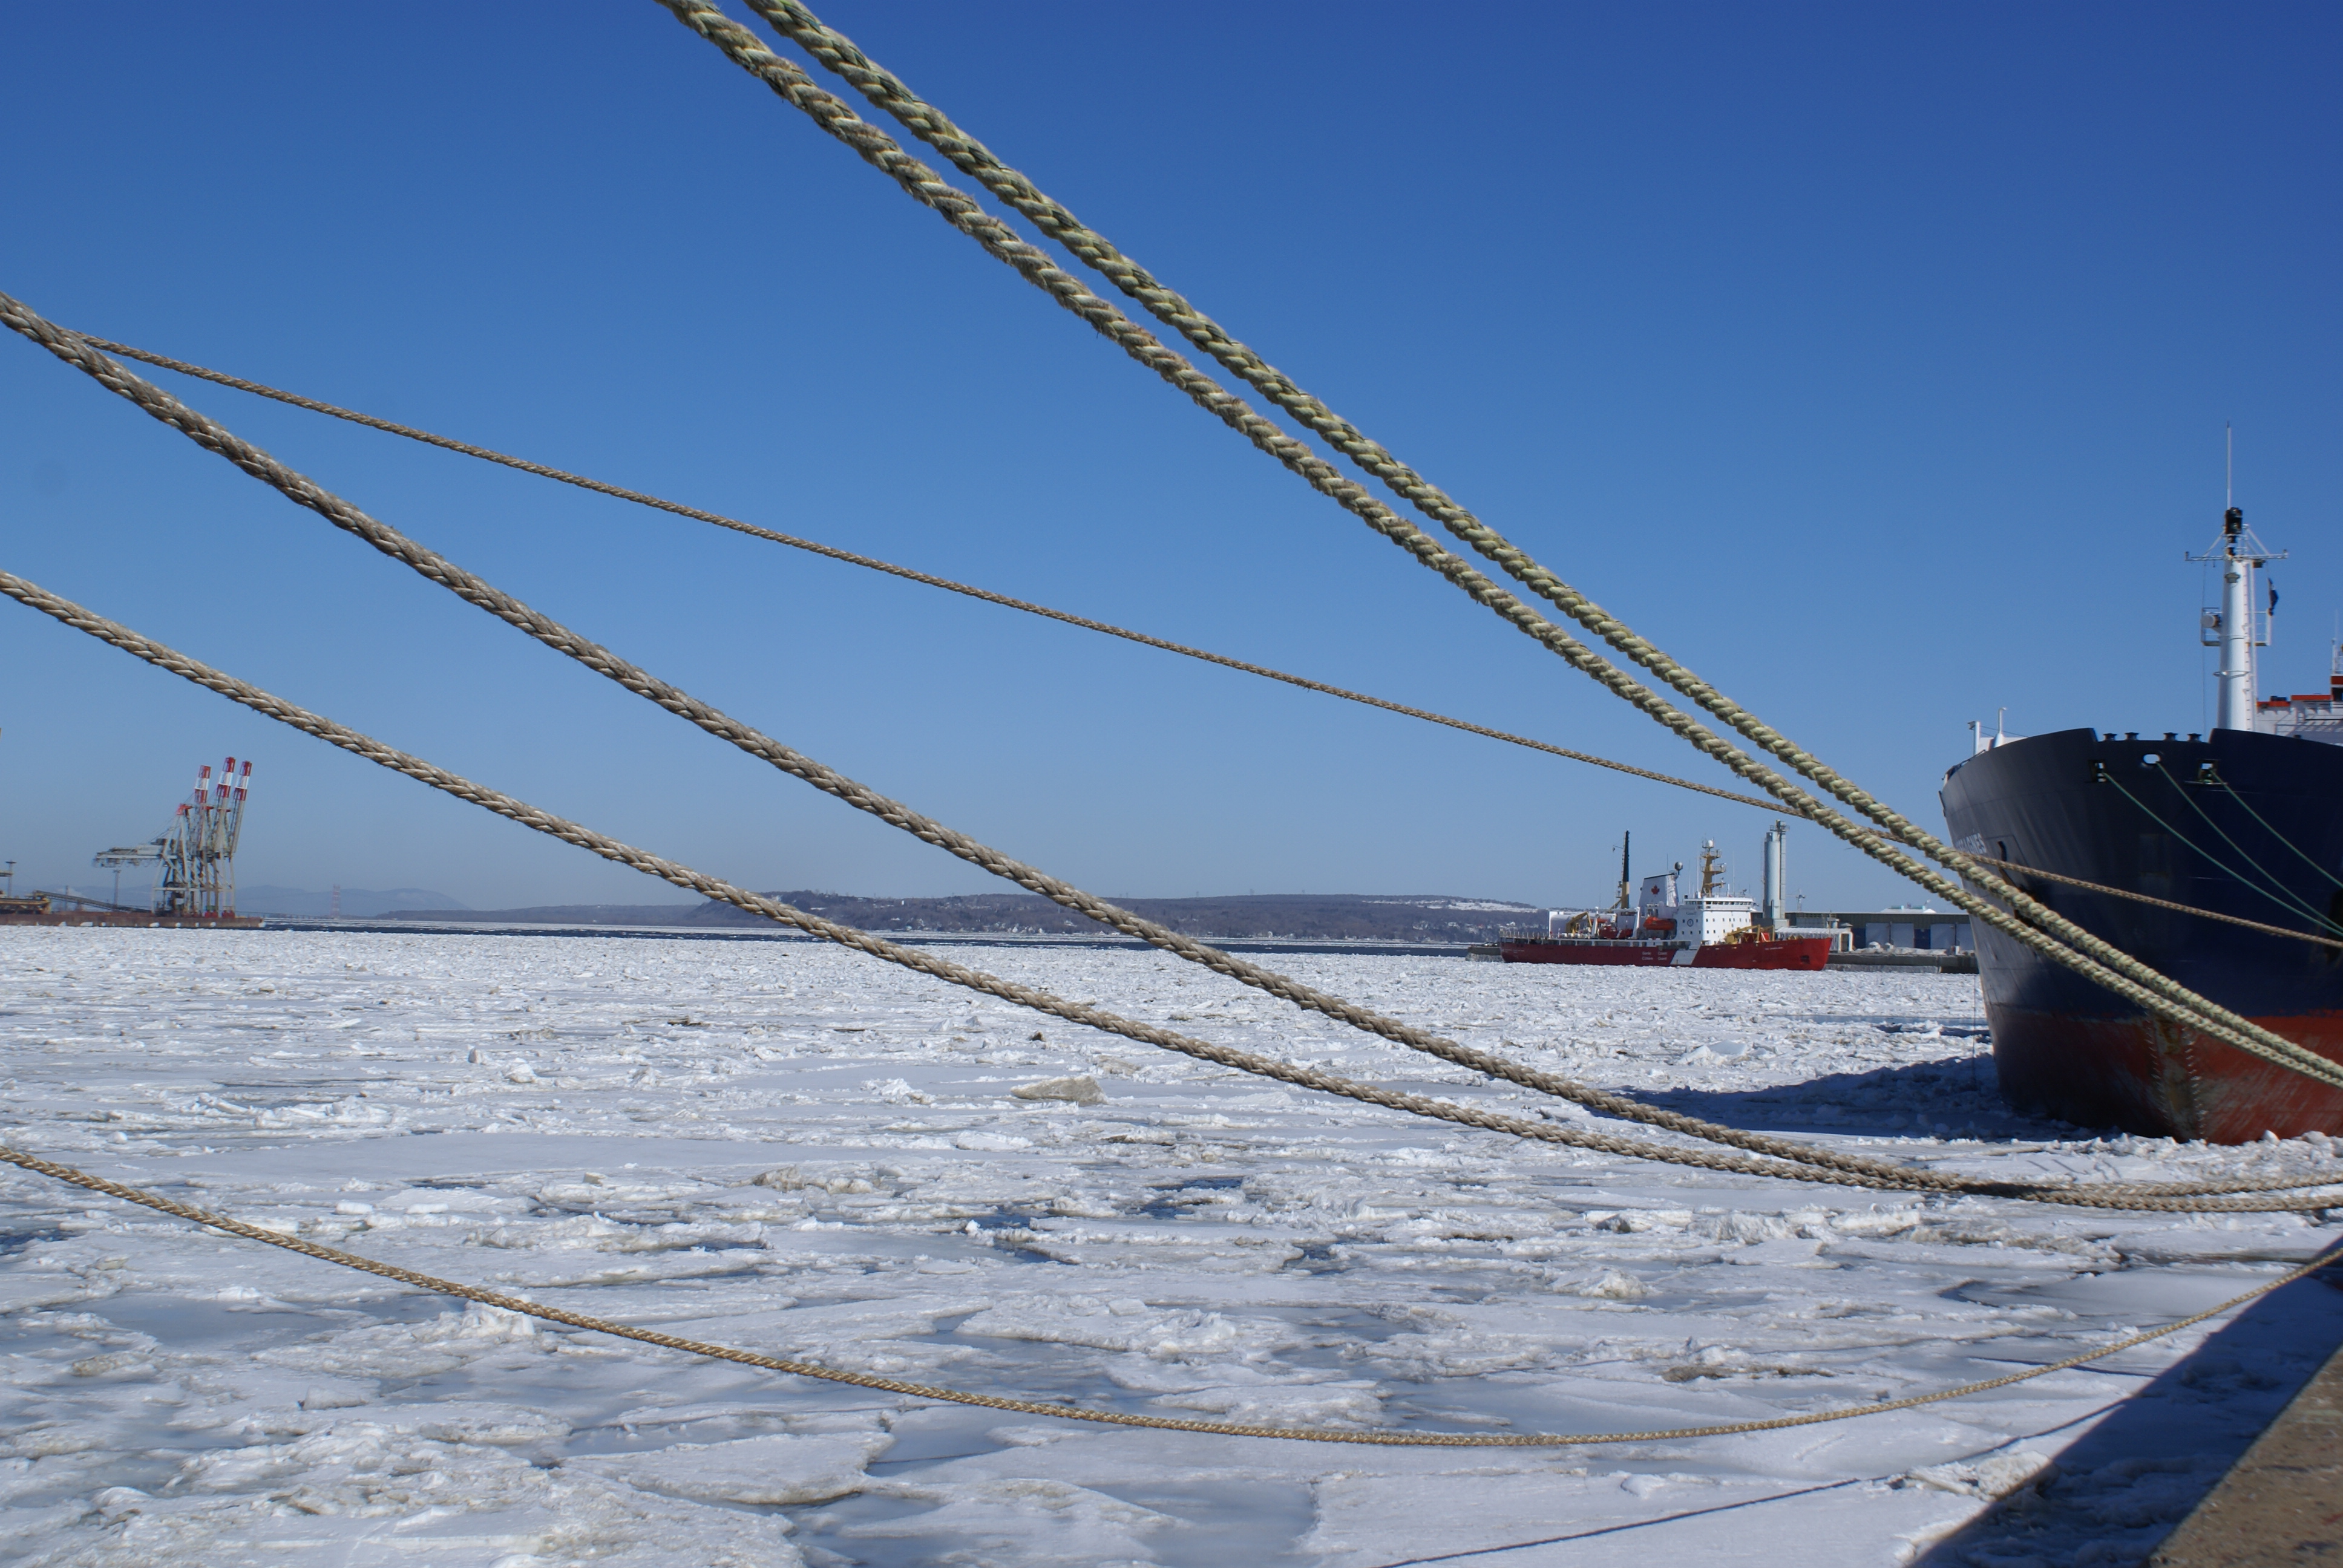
(1903,926)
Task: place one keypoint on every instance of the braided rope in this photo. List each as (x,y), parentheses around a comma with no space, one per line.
(931,124)
(2159,903)
(479,592)
(523,1305)
(2027,921)
(681,875)
(1795,1162)
(851,559)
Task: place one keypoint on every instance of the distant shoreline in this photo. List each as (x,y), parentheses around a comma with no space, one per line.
(1430,920)
(767,931)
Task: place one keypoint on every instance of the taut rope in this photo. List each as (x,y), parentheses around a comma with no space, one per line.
(931,125)
(484,595)
(1801,1162)
(477,592)
(2038,926)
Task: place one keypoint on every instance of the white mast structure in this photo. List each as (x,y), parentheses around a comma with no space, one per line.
(2235,629)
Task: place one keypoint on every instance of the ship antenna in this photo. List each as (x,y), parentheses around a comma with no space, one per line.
(2229,465)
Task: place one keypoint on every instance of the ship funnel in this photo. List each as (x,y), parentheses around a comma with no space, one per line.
(1769,914)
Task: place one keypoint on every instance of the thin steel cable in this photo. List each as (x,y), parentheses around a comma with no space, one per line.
(221,378)
(2230,790)
(2276,882)
(2277,893)
(524,1306)
(1797,1162)
(2166,903)
(852,558)
(2290,905)
(2026,920)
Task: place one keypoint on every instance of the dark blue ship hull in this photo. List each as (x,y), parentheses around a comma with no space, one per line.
(2239,823)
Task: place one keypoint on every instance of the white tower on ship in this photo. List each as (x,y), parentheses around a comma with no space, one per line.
(2236,628)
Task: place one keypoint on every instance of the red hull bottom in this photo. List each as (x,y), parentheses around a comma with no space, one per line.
(2160,1080)
(1788,953)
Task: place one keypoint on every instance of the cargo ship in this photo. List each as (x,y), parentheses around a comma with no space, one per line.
(2246,820)
(1657,928)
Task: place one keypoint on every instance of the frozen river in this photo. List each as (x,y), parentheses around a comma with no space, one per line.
(794,1149)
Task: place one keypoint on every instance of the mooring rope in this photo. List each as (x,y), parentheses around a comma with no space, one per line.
(1856,1172)
(479,592)
(213,438)
(1488,543)
(1797,1162)
(851,558)
(526,1307)
(929,124)
(832,552)
(2027,921)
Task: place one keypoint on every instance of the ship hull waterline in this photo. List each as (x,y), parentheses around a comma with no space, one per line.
(1807,953)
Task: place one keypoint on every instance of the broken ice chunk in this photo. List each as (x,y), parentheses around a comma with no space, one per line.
(1081,1091)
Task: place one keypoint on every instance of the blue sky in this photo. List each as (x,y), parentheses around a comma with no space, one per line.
(1872,361)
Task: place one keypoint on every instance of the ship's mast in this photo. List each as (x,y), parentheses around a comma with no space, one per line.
(2232,627)
(1626,890)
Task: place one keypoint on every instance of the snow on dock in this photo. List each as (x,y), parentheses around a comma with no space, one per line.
(789,1148)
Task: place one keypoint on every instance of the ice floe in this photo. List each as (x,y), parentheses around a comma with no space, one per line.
(790,1148)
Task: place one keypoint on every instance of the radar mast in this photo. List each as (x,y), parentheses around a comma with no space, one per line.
(2236,628)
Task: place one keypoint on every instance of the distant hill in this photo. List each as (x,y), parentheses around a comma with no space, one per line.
(358,903)
(562,914)
(1309,917)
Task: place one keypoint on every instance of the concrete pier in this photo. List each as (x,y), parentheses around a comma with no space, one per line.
(2283,1502)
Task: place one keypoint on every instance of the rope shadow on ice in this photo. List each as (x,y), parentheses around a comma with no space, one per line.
(1949,1097)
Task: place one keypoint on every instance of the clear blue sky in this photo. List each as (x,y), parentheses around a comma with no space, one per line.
(1871,360)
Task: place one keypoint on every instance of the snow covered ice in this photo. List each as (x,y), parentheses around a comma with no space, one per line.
(790,1148)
